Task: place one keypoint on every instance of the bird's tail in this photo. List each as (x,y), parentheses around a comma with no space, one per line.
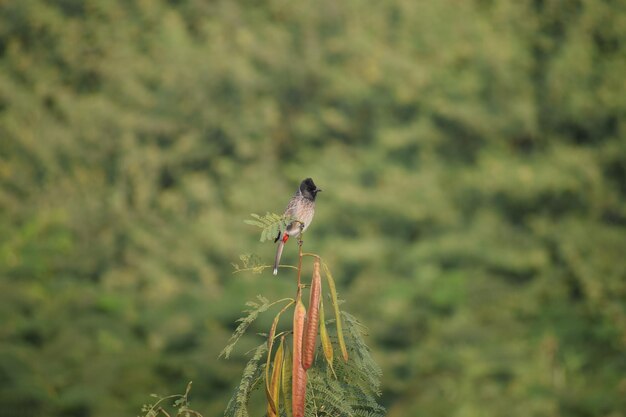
(279,252)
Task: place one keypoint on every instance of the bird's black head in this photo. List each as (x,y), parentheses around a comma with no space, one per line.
(309,189)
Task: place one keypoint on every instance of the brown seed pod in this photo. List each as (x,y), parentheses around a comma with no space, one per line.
(312,320)
(298,373)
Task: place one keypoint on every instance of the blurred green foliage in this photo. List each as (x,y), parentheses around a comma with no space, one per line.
(473,161)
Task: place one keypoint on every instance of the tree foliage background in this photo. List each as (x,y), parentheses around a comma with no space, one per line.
(473,161)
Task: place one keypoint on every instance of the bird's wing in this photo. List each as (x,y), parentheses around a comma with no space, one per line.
(293,212)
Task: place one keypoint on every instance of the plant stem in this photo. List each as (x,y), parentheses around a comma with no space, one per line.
(299,267)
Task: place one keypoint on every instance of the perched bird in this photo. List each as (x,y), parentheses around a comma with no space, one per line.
(301,207)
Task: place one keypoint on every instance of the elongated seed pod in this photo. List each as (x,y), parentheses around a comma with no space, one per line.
(312,318)
(286,381)
(275,381)
(298,373)
(270,343)
(333,295)
(326,344)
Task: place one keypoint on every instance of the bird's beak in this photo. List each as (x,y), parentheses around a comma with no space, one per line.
(318,190)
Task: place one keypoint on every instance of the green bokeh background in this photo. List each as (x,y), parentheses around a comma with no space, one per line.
(473,161)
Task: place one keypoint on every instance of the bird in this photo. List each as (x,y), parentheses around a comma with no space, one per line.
(301,208)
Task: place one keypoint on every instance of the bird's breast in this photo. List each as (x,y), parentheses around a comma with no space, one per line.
(307,216)
(303,211)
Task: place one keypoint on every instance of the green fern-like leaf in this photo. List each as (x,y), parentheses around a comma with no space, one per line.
(326,396)
(361,370)
(271,224)
(255,309)
(250,262)
(252,374)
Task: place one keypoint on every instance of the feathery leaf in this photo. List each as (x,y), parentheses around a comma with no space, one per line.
(244,322)
(237,406)
(271,224)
